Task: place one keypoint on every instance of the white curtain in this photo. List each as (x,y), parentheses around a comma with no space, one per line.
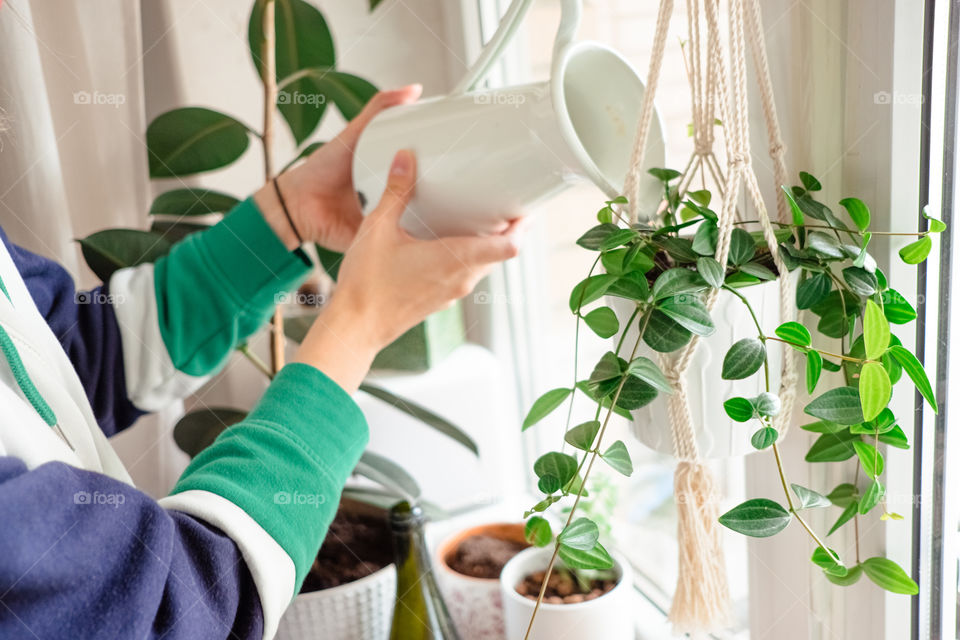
(72,160)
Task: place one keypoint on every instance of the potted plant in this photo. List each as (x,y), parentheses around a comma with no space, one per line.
(468,565)
(660,272)
(573,603)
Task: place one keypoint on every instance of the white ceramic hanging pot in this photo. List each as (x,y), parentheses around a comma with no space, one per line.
(717,435)
(486,154)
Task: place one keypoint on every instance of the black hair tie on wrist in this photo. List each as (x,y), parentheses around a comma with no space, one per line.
(286,212)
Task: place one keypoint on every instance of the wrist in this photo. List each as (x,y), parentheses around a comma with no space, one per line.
(342,344)
(287,228)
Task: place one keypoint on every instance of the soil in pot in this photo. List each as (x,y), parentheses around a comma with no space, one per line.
(564,588)
(483,556)
(357,545)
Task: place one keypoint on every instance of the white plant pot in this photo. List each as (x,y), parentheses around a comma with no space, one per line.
(610,617)
(474,603)
(717,435)
(358,610)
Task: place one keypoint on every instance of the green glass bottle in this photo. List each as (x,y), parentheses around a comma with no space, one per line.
(419,612)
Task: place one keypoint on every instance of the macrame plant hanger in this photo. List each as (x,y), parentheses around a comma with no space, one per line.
(701,599)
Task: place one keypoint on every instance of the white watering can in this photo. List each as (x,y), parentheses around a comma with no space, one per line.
(484,155)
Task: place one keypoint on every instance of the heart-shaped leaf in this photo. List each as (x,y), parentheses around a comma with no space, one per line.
(758,518)
(192,140)
(537,531)
(809,499)
(840,405)
(581,534)
(583,435)
(618,457)
(544,405)
(743,359)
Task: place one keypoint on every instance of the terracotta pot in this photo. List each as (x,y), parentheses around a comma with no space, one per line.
(474,603)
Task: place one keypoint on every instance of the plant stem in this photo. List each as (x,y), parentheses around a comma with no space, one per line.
(593,457)
(576,349)
(821,351)
(832,228)
(255,359)
(268,56)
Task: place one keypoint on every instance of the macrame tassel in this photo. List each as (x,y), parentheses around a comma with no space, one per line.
(701,602)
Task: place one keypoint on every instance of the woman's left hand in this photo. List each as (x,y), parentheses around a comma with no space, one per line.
(319,192)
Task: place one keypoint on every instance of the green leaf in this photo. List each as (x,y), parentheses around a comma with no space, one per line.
(860,281)
(895,438)
(645,369)
(851,578)
(618,457)
(581,534)
(680,249)
(388,474)
(916,252)
(758,518)
(824,426)
(711,271)
(705,239)
(688,312)
(542,506)
(537,531)
(814,369)
(664,175)
(795,210)
(896,308)
(832,447)
(813,290)
(872,497)
(174,230)
(663,334)
(857,211)
(743,359)
(742,246)
(559,465)
(191,140)
(303,41)
(757,270)
(876,331)
(594,238)
(888,575)
(632,286)
(544,405)
(635,394)
(739,409)
(848,513)
(595,558)
(810,499)
(810,183)
(936,225)
(192,202)
(617,238)
(421,414)
(675,281)
(915,370)
(590,289)
(874,389)
(764,437)
(111,249)
(767,404)
(349,92)
(701,197)
(549,484)
(582,435)
(795,333)
(870,458)
(840,405)
(843,494)
(197,430)
(825,245)
(829,561)
(607,368)
(603,322)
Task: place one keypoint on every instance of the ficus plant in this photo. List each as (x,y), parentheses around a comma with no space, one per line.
(665,269)
(187,141)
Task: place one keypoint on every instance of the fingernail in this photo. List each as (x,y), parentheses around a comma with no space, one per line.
(401,163)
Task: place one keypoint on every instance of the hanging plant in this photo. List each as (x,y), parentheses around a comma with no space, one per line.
(667,272)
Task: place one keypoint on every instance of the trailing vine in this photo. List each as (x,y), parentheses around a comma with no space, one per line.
(665,270)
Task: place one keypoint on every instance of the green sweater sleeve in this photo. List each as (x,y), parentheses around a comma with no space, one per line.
(286,463)
(219,286)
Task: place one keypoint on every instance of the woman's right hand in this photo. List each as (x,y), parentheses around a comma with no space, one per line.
(390,281)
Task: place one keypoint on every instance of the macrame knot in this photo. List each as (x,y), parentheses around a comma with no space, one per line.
(777,149)
(738,159)
(702,146)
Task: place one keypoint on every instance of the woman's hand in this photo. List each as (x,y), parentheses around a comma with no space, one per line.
(390,281)
(319,192)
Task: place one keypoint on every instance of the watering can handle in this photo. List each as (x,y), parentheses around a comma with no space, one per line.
(570,11)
